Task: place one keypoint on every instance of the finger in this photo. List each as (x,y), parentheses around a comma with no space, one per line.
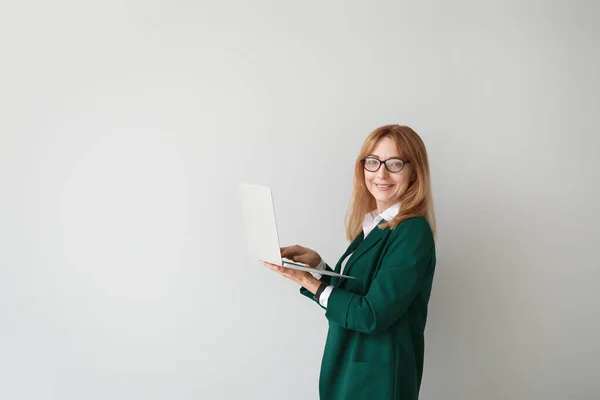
(291,251)
(274,267)
(271,264)
(268,264)
(300,258)
(287,253)
(285,249)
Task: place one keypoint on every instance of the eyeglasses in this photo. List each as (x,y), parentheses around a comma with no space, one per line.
(393,164)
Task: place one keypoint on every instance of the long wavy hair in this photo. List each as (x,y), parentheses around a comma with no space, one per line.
(415,201)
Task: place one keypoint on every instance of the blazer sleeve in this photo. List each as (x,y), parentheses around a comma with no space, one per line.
(404,265)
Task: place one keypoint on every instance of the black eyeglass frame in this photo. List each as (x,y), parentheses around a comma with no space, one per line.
(384,162)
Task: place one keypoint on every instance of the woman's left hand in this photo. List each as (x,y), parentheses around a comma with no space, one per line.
(302,278)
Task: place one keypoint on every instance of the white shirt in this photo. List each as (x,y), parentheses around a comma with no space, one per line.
(369,223)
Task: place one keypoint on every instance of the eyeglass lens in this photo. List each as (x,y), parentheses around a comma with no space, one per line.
(393,165)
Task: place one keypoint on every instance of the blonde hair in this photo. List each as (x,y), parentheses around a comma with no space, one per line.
(415,201)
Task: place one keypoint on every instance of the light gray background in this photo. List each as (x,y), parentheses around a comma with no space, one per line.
(127,125)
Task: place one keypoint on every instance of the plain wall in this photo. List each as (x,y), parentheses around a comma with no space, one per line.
(125,127)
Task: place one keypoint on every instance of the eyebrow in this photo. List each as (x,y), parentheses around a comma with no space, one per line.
(376,156)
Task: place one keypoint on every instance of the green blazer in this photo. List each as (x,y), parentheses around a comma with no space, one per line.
(375,347)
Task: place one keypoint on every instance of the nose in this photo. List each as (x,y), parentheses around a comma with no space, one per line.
(382,172)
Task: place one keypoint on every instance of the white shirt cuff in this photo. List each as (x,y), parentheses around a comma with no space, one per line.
(319,267)
(325,296)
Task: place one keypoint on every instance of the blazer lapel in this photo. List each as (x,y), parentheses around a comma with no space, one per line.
(374,236)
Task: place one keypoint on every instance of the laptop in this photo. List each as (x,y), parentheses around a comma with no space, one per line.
(261,229)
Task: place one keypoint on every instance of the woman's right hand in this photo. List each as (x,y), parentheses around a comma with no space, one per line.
(301,254)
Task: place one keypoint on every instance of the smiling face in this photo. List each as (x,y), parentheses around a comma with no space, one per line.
(385,186)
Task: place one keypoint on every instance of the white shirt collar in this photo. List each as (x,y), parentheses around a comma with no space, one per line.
(372,219)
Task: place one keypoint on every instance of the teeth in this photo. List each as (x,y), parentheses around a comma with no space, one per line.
(382,186)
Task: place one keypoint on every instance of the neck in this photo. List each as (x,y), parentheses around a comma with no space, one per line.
(381,207)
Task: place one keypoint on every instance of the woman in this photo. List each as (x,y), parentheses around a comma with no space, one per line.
(375,345)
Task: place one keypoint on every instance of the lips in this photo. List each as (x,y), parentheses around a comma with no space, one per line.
(383,186)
